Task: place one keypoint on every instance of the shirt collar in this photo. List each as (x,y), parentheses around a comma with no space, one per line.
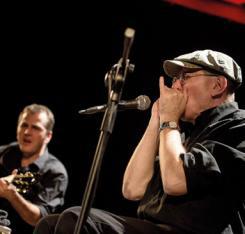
(42,159)
(212,115)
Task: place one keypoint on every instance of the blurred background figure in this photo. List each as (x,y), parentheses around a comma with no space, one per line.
(33,181)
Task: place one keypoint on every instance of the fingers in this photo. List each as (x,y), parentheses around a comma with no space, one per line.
(7,182)
(155,106)
(161,84)
(14,172)
(162,87)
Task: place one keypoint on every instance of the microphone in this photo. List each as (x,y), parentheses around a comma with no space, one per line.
(142,102)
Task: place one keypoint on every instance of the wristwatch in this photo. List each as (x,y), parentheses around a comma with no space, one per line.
(170,124)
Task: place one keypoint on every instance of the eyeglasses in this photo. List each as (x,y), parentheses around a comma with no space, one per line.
(183,77)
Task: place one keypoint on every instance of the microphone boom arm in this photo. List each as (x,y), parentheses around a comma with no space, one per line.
(142,103)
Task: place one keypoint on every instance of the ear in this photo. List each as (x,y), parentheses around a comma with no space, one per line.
(48,137)
(219,86)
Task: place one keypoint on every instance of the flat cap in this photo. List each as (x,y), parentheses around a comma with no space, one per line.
(210,60)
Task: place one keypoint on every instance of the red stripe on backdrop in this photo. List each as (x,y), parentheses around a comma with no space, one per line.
(232,12)
(239,2)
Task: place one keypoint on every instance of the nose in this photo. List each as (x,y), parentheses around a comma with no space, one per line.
(27,131)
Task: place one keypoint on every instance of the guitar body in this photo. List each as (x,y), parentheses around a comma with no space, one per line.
(4,230)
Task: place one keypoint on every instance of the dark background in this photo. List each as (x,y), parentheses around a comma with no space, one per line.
(58,55)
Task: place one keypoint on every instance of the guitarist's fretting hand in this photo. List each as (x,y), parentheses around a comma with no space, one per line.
(6,186)
(18,182)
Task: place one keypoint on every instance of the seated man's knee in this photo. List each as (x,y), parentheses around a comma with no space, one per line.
(67,220)
(47,224)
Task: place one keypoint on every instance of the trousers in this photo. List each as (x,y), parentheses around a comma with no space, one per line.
(99,221)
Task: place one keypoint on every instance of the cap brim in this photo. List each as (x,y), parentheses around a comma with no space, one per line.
(173,67)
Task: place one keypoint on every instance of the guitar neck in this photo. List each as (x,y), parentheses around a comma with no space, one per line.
(12,177)
(23,181)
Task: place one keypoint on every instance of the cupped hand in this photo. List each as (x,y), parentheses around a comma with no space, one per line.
(172,102)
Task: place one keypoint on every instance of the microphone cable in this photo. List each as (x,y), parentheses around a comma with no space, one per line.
(3,218)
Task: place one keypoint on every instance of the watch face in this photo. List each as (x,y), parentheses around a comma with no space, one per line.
(173,125)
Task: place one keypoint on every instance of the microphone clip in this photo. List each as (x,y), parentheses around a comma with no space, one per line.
(118,73)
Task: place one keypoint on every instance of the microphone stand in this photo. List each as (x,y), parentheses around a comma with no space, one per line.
(106,128)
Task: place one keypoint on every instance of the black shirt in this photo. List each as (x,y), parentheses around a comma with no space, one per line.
(49,191)
(214,167)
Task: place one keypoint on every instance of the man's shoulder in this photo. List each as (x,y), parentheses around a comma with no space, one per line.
(240,114)
(7,147)
(55,163)
(52,158)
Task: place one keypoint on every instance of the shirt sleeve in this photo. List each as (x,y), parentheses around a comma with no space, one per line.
(213,166)
(52,190)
